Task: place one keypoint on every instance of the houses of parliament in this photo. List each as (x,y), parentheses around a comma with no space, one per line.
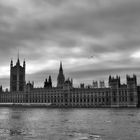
(66,95)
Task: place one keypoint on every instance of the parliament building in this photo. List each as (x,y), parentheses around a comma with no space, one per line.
(66,95)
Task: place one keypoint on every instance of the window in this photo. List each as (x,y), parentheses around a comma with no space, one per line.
(20,88)
(131,99)
(114,99)
(95,99)
(107,99)
(21,77)
(14,88)
(14,77)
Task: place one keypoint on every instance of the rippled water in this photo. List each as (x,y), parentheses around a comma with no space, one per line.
(69,124)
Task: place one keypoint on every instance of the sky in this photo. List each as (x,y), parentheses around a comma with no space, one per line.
(93,39)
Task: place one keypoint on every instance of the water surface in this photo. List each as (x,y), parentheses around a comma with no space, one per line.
(69,124)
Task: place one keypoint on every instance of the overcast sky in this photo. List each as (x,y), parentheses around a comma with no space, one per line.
(93,38)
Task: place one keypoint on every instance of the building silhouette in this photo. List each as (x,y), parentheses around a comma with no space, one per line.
(48,83)
(61,77)
(17,76)
(66,95)
(1,88)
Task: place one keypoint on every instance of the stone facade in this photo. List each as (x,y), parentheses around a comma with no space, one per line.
(17,76)
(65,95)
(114,96)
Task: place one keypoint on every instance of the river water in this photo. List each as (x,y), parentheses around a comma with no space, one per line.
(69,124)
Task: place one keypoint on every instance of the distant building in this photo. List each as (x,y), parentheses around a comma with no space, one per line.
(65,95)
(17,76)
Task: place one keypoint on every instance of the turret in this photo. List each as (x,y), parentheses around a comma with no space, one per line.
(82,85)
(1,89)
(102,84)
(95,84)
(114,82)
(33,83)
(29,86)
(45,83)
(11,63)
(61,69)
(131,80)
(50,82)
(71,82)
(24,64)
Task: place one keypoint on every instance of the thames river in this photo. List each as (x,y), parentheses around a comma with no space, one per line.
(69,124)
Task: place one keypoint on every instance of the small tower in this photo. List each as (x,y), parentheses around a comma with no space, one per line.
(1,89)
(11,63)
(102,84)
(45,83)
(61,77)
(24,64)
(114,82)
(95,84)
(50,82)
(29,86)
(71,82)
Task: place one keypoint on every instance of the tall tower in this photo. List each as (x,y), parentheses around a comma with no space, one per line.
(61,77)
(17,76)
(132,94)
(114,84)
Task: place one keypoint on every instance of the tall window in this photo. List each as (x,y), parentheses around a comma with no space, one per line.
(14,77)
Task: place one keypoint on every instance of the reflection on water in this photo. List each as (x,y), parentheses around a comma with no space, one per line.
(69,124)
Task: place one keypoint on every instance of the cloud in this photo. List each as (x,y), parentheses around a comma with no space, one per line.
(88,36)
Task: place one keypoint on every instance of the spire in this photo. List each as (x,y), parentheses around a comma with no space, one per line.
(61,77)
(24,63)
(18,54)
(11,63)
(45,83)
(50,82)
(50,79)
(72,81)
(61,68)
(18,62)
(1,88)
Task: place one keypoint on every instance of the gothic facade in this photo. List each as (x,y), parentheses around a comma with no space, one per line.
(17,76)
(65,95)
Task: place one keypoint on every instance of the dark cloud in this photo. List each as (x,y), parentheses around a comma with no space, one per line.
(93,38)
